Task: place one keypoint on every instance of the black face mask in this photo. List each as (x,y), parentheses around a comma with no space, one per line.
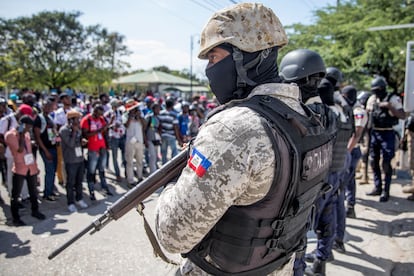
(223,79)
(380,93)
(308,91)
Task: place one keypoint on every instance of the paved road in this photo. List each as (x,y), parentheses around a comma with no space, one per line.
(379,242)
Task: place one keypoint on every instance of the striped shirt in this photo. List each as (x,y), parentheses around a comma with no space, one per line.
(168,118)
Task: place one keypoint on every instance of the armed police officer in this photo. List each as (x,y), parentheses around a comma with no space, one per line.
(326,215)
(384,109)
(256,166)
(306,68)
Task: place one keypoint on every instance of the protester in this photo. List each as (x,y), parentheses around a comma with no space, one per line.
(24,168)
(170,132)
(135,141)
(116,135)
(94,128)
(46,136)
(153,136)
(71,136)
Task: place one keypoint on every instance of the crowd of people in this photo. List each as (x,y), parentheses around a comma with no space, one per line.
(74,140)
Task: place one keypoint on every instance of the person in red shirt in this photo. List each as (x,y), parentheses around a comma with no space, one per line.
(94,128)
(24,167)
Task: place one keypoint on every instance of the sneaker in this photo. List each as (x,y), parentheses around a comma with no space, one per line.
(38,215)
(82,204)
(108,192)
(339,246)
(72,208)
(18,222)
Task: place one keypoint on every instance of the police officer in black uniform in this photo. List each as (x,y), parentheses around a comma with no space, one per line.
(306,68)
(326,216)
(384,110)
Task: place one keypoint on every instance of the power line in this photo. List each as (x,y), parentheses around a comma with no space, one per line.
(215,4)
(202,5)
(173,12)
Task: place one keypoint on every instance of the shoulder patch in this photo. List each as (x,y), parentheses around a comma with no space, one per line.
(198,162)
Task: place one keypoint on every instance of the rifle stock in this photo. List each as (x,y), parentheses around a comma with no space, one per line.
(132,198)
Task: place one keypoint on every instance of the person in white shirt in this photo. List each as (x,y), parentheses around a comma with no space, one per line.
(135,141)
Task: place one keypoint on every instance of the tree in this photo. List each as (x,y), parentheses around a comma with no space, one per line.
(54,49)
(340,34)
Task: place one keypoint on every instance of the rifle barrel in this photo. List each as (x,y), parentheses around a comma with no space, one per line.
(132,198)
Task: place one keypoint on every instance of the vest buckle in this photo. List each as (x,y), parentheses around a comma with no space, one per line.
(272,244)
(278,227)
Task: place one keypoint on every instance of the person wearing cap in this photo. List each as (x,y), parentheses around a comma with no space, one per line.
(24,168)
(135,141)
(384,110)
(60,120)
(72,142)
(46,137)
(116,135)
(94,128)
(241,204)
(7,123)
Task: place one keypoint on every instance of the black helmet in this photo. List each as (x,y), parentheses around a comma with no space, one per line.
(334,73)
(350,94)
(299,64)
(378,83)
(363,97)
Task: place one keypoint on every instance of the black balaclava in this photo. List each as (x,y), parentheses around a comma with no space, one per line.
(380,92)
(350,94)
(326,92)
(230,79)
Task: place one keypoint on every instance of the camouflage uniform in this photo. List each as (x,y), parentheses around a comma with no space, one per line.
(241,173)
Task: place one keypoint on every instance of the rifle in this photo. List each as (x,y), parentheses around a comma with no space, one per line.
(132,198)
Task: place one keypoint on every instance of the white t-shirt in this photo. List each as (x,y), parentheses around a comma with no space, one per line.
(6,123)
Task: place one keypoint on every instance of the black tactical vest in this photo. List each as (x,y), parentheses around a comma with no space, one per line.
(259,238)
(345,130)
(381,117)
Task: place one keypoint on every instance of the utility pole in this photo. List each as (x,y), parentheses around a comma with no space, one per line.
(191,66)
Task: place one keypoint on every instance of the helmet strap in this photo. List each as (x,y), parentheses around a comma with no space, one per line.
(242,79)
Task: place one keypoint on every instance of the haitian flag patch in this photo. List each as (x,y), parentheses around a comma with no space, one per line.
(198,162)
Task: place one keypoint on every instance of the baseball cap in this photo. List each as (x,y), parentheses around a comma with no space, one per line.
(26,109)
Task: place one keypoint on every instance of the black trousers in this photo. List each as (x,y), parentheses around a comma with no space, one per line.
(16,190)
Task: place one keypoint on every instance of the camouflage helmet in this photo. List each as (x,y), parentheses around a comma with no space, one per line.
(251,27)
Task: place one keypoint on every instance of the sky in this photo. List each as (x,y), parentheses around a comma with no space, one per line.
(158,32)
